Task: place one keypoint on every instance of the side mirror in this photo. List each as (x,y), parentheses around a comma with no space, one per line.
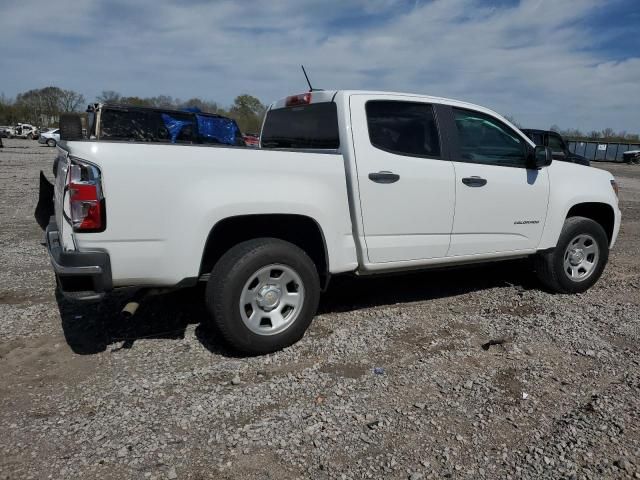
(542,157)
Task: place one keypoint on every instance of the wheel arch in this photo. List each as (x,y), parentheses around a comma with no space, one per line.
(599,212)
(301,230)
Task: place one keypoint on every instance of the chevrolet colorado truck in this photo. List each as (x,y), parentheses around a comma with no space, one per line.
(343,182)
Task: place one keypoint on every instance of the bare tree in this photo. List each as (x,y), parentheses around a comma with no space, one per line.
(608,132)
(109,96)
(163,101)
(594,135)
(70,100)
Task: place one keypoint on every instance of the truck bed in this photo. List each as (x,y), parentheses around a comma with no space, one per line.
(163,200)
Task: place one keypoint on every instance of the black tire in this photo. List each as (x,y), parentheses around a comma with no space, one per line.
(70,126)
(550,266)
(30,136)
(229,277)
(51,142)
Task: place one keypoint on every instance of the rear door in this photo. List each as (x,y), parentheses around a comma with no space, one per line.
(501,205)
(405,178)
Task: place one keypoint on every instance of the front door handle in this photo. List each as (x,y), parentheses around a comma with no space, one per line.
(474,181)
(384,177)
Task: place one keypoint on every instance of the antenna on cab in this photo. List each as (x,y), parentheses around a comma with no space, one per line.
(311,89)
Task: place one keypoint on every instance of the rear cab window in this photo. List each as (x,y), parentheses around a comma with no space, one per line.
(312,126)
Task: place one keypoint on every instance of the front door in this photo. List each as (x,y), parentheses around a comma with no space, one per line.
(405,179)
(501,205)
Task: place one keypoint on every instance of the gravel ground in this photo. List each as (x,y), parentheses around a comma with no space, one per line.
(86,394)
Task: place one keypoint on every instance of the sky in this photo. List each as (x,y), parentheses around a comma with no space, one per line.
(572,63)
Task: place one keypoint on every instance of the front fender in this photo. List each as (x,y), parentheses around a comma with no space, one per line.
(572,185)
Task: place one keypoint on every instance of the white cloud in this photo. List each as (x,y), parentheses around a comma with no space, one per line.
(534,61)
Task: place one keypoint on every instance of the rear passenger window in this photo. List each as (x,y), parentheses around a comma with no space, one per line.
(484,139)
(404,128)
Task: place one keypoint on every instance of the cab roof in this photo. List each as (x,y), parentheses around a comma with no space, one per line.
(319,96)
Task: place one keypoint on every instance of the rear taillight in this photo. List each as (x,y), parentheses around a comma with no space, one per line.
(302,99)
(86,202)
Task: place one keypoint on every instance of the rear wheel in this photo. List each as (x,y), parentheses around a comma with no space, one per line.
(579,258)
(263,294)
(51,142)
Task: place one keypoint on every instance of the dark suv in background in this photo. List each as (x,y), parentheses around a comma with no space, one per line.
(557,144)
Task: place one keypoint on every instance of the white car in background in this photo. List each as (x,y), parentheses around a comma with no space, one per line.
(7,132)
(51,137)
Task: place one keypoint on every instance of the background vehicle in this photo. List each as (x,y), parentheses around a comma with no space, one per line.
(251,139)
(51,137)
(557,144)
(631,156)
(25,130)
(161,125)
(7,132)
(346,181)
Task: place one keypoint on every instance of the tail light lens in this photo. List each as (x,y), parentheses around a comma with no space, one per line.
(302,99)
(86,201)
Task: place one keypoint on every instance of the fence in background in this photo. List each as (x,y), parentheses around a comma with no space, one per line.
(602,151)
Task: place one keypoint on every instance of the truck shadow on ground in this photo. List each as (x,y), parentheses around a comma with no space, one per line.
(94,328)
(347,293)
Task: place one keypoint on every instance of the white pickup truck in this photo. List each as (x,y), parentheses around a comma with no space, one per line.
(344,181)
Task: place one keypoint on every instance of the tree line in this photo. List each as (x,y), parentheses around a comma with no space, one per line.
(42,107)
(605,135)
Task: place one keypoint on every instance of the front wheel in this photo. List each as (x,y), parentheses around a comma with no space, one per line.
(579,258)
(51,142)
(263,294)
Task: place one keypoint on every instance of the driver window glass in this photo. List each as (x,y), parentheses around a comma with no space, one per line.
(484,139)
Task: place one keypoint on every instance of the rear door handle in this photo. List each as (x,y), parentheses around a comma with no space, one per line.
(384,177)
(474,181)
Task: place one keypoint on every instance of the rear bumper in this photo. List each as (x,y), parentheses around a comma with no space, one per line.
(81,275)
